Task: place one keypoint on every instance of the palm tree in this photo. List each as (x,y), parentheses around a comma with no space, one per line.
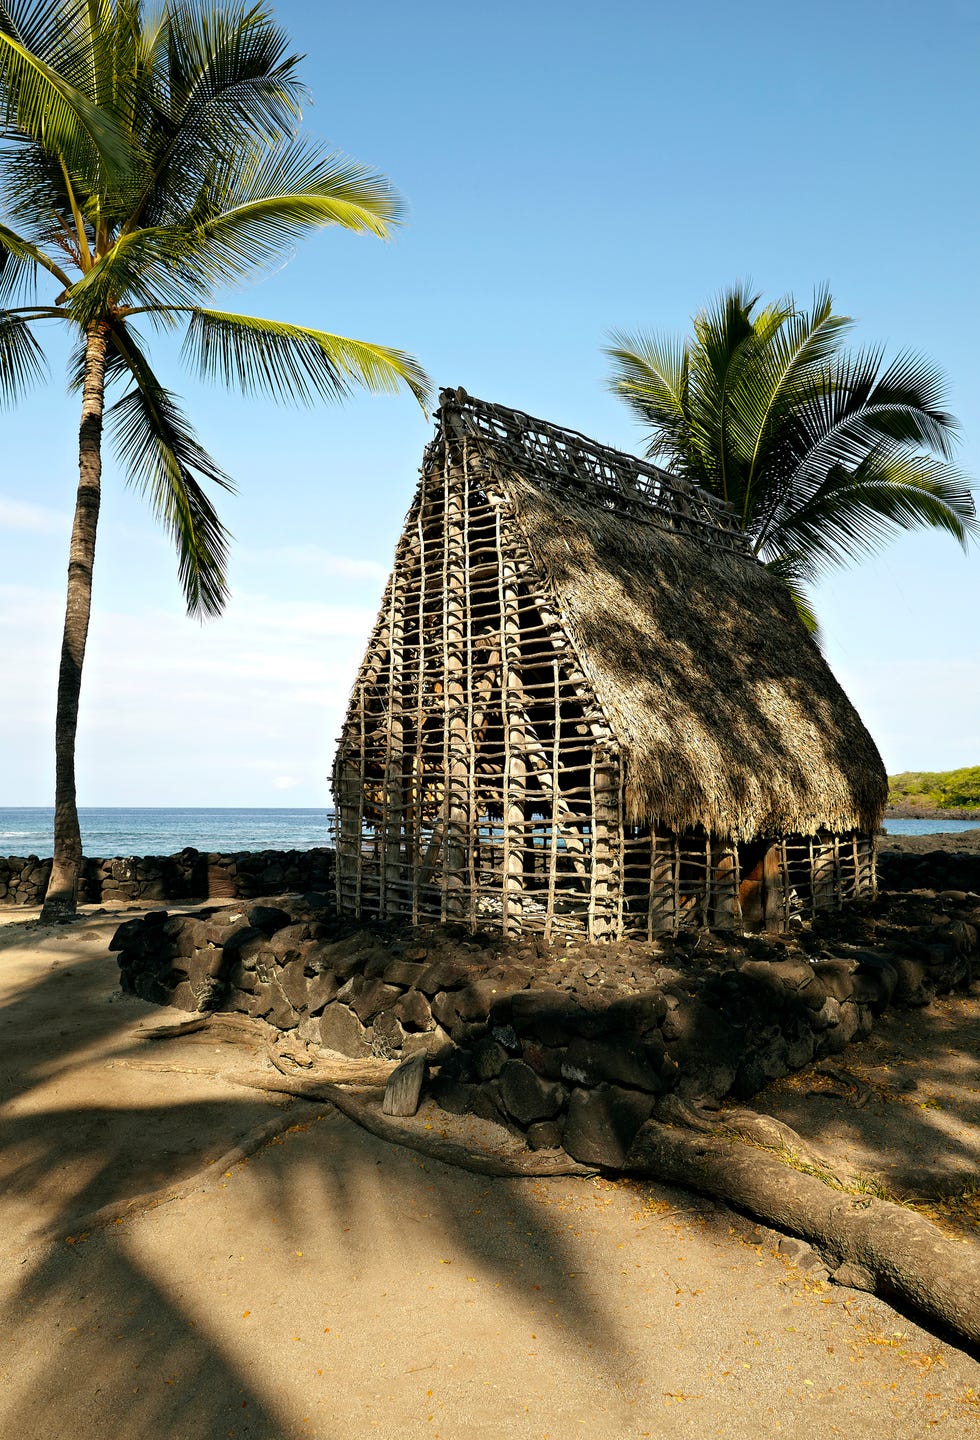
(149,161)
(822,454)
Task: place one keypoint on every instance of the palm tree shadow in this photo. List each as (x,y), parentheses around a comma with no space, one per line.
(141,1353)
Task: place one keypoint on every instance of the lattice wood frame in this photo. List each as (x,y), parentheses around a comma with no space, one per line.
(478,779)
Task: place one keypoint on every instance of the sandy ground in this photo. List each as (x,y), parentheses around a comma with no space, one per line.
(334,1286)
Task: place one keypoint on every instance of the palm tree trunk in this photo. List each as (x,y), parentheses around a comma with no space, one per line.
(62,893)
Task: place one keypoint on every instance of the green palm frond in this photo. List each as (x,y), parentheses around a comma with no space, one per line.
(19,265)
(790,571)
(825,454)
(38,102)
(150,269)
(231,92)
(21,358)
(295,364)
(651,374)
(855,512)
(230,67)
(162,456)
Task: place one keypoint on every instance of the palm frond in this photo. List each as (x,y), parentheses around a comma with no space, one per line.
(164,459)
(21,358)
(151,268)
(790,571)
(228,67)
(38,102)
(855,512)
(231,92)
(19,264)
(293,363)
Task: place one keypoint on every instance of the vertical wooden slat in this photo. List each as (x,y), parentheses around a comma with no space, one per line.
(772,886)
(512,714)
(784,869)
(706,911)
(362,777)
(824,880)
(392,795)
(549,919)
(737,915)
(604,813)
(456,774)
(676,919)
(725,890)
(858,888)
(471,789)
(417,774)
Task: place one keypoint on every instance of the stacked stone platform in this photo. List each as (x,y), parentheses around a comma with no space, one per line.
(574,1046)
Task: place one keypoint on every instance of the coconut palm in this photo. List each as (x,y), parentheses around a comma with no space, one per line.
(822,454)
(149,161)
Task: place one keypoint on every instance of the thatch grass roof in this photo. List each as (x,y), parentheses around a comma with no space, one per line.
(726,713)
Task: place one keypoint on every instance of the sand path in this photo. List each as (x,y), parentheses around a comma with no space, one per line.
(334,1286)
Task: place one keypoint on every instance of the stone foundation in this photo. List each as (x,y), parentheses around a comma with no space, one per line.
(574,1046)
(933,869)
(191,875)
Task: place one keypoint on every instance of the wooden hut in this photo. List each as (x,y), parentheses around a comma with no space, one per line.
(586,708)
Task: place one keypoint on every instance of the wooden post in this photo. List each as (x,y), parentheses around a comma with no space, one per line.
(515,747)
(856,864)
(706,911)
(391,900)
(604,772)
(549,918)
(417,780)
(662,911)
(725,891)
(823,881)
(677,884)
(472,822)
(772,888)
(457,813)
(784,876)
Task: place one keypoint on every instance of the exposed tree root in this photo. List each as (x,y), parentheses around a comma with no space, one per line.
(905,1254)
(365,1110)
(340,1071)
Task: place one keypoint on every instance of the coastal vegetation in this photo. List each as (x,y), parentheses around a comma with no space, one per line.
(150,160)
(823,453)
(936,789)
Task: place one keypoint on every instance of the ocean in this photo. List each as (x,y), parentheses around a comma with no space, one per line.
(108,831)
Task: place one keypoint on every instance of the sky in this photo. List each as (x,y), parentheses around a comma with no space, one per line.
(569,169)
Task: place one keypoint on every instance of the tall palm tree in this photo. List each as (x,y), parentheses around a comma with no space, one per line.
(148,161)
(822,454)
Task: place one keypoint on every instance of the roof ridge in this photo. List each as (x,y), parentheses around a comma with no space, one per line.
(573,464)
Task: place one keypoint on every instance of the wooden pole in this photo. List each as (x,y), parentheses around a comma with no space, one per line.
(603,771)
(457,811)
(515,742)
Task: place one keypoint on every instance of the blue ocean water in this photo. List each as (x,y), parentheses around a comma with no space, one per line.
(163,831)
(929,827)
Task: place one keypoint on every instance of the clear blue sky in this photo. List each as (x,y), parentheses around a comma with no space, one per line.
(569,169)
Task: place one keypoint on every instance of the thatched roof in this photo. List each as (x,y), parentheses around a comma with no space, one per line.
(726,713)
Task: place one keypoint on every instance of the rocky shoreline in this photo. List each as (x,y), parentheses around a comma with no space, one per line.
(924,812)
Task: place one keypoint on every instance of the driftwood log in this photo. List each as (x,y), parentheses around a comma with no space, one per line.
(904,1254)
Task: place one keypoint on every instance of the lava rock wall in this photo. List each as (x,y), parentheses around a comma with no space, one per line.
(190,875)
(574,1046)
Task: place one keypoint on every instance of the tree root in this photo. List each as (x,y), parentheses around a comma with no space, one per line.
(366,1111)
(905,1255)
